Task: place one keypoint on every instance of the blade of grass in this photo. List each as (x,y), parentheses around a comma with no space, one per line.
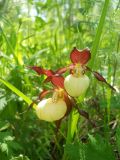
(9,44)
(99,32)
(72,126)
(18,92)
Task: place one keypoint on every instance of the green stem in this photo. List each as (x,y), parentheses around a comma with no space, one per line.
(72,125)
(72,128)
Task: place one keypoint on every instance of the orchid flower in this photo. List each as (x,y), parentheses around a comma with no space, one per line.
(64,90)
(57,107)
(77,82)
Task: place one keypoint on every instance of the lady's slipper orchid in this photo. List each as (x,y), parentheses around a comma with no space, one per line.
(52,109)
(74,85)
(77,82)
(55,108)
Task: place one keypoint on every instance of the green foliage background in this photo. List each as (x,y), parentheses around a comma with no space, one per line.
(43,33)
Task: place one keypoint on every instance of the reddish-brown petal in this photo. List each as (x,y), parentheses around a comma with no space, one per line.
(85,115)
(58,123)
(99,77)
(40,70)
(81,56)
(69,102)
(48,72)
(44,93)
(58,81)
(71,67)
(86,68)
(62,70)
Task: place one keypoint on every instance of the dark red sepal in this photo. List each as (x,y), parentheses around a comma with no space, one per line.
(99,77)
(58,123)
(40,70)
(57,81)
(69,102)
(81,57)
(85,115)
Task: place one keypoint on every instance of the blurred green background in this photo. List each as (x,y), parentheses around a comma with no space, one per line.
(43,33)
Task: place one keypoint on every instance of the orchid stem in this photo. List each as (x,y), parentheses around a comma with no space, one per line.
(72,128)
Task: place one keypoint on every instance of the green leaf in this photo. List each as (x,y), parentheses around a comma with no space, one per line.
(118,138)
(4,125)
(3,135)
(98,148)
(18,92)
(3,103)
(20,157)
(9,138)
(99,32)
(4,147)
(72,125)
(72,151)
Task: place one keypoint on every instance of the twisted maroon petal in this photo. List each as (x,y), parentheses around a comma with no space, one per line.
(40,70)
(81,57)
(44,93)
(37,69)
(58,81)
(99,77)
(69,102)
(48,72)
(62,70)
